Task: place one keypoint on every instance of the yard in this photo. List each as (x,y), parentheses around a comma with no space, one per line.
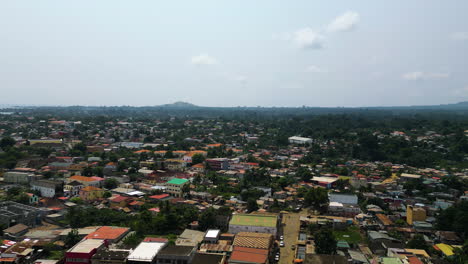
(351,235)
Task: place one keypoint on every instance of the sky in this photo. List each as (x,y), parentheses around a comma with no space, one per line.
(234,53)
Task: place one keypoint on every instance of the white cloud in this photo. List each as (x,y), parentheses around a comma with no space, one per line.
(346,22)
(315,69)
(203,59)
(419,76)
(459,36)
(307,38)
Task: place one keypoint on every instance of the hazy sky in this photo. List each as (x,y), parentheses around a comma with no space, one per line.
(230,53)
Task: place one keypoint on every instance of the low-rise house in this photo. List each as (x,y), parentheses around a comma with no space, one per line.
(73,188)
(16,231)
(111,234)
(245,255)
(90,193)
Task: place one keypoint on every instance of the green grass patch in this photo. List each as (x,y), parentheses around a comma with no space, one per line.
(351,235)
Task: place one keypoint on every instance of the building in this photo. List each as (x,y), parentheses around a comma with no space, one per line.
(20,176)
(253,240)
(218,163)
(111,234)
(73,188)
(110,256)
(190,238)
(173,254)
(145,252)
(201,258)
(415,214)
(83,252)
(253,223)
(175,186)
(12,213)
(245,255)
(343,198)
(90,193)
(16,231)
(48,188)
(212,236)
(86,181)
(299,140)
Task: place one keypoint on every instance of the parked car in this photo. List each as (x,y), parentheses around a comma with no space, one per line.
(282,244)
(281,237)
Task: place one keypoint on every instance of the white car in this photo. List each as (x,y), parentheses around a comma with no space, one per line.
(277,257)
(281,237)
(282,244)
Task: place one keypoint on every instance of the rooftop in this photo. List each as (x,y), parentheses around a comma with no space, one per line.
(108,232)
(86,246)
(146,251)
(254,220)
(177,181)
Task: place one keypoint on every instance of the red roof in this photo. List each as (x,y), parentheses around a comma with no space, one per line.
(119,199)
(155,239)
(108,232)
(156,210)
(159,196)
(254,255)
(414,260)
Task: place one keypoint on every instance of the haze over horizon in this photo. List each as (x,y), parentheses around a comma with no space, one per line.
(220,53)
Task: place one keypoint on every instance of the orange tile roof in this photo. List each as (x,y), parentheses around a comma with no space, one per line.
(82,178)
(108,232)
(251,255)
(90,189)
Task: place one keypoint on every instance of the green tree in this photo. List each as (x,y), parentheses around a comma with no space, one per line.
(417,242)
(111,183)
(325,242)
(198,158)
(72,238)
(7,142)
(317,198)
(252,205)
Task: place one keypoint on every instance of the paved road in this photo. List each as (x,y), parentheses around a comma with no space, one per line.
(290,233)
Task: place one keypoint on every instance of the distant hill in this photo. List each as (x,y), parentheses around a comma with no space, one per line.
(179,105)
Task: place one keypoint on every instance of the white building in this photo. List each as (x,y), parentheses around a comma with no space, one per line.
(299,140)
(145,252)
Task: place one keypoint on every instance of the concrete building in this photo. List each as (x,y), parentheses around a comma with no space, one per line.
(176,255)
(218,163)
(415,214)
(110,256)
(48,188)
(83,252)
(145,253)
(212,236)
(254,223)
(175,186)
(299,140)
(12,213)
(20,176)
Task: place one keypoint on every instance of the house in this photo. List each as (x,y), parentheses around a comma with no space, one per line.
(190,238)
(175,186)
(212,236)
(16,231)
(245,255)
(253,240)
(173,254)
(86,181)
(254,223)
(48,188)
(119,201)
(160,197)
(90,193)
(73,188)
(33,199)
